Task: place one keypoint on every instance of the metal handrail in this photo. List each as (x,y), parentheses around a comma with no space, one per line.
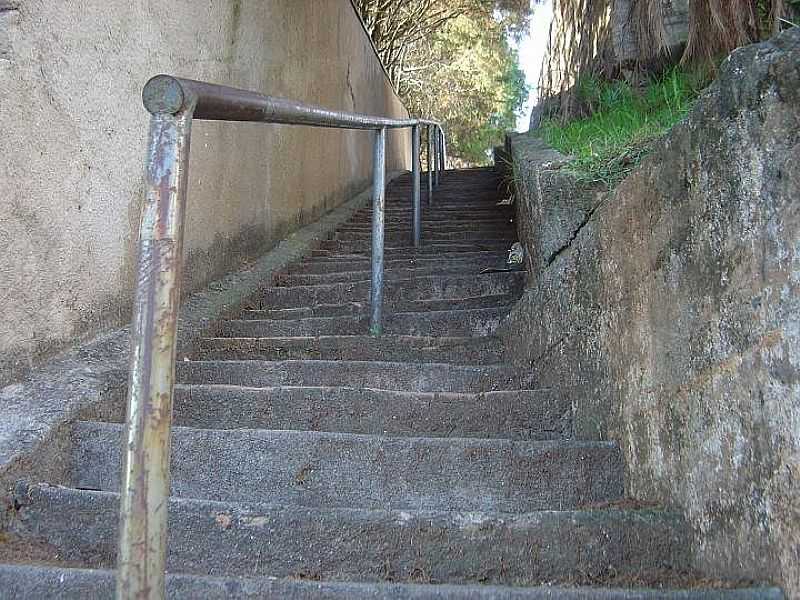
(174,103)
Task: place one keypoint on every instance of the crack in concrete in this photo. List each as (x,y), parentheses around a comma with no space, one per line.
(350,87)
(552,258)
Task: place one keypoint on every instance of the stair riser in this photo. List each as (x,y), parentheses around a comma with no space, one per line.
(481,244)
(478,260)
(217,539)
(393,239)
(404,225)
(509,415)
(441,216)
(367,375)
(361,309)
(391,274)
(478,322)
(341,470)
(402,290)
(436,247)
(475,199)
(450,250)
(474,351)
(77,584)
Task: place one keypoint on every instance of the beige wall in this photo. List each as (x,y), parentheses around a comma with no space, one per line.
(73,139)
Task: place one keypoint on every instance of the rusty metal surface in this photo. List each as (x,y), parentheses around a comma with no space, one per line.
(164,93)
(429,129)
(378,202)
(145,485)
(415,187)
(174,103)
(442,152)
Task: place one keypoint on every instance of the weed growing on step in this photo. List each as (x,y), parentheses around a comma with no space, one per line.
(624,121)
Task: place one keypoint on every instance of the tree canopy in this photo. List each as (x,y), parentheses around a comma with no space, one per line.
(452,60)
(581,45)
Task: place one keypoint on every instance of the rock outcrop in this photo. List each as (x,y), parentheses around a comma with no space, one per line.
(668,311)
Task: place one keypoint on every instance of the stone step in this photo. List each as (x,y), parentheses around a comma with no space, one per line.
(357,262)
(389,274)
(450,250)
(507,234)
(523,415)
(443,216)
(452,323)
(394,348)
(437,246)
(475,200)
(427,289)
(422,377)
(23,581)
(324,469)
(403,222)
(404,225)
(238,539)
(362,308)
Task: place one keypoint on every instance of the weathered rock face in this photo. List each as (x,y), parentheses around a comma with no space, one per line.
(670,313)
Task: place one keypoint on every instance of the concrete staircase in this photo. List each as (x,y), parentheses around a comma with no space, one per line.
(311,461)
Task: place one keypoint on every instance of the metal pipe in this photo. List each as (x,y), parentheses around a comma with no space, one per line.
(168,94)
(430,165)
(145,485)
(378,202)
(436,156)
(442,165)
(415,185)
(444,152)
(174,103)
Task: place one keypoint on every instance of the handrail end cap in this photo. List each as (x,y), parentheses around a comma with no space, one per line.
(163,94)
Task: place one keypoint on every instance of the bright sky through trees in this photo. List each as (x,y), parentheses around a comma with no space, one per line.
(531,50)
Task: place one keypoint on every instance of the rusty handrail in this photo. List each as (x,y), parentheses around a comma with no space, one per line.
(174,103)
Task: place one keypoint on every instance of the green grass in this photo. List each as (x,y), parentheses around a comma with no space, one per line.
(609,143)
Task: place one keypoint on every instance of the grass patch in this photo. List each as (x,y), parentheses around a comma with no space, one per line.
(623,122)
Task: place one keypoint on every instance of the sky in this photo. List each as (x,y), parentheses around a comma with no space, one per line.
(531,53)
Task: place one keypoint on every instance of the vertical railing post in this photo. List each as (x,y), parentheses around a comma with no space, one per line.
(442,166)
(415,187)
(378,201)
(429,128)
(436,156)
(444,152)
(141,559)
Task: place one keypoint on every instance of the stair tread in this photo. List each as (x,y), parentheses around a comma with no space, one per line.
(311,468)
(389,347)
(477,322)
(232,538)
(354,308)
(425,377)
(86,584)
(525,414)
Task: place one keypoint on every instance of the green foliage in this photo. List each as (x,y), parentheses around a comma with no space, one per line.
(609,143)
(450,60)
(472,82)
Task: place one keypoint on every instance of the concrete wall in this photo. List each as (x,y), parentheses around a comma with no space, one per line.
(668,312)
(73,140)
